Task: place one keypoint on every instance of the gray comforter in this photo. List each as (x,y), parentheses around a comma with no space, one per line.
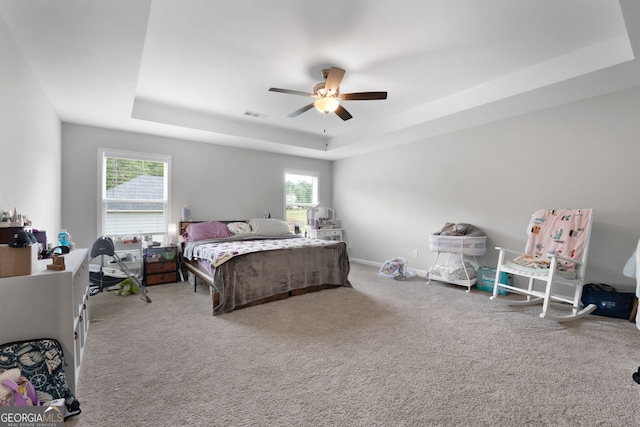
(258,275)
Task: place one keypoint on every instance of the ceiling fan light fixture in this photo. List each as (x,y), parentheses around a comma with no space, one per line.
(328,97)
(326,104)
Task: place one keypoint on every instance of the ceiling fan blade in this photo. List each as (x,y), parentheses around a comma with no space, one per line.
(363,96)
(291,92)
(344,114)
(301,110)
(333,79)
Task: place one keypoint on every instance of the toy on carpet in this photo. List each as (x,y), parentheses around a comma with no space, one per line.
(127,287)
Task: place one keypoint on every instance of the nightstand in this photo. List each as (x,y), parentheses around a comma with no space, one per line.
(160,265)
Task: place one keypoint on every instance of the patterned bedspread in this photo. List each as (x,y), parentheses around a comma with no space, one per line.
(221,250)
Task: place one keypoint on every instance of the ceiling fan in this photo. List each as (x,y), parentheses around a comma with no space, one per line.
(328,95)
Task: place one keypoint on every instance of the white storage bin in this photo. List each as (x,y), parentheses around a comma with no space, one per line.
(458,244)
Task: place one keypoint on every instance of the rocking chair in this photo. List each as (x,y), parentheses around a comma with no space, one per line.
(556,256)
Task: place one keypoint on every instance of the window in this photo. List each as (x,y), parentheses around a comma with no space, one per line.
(301,193)
(134,190)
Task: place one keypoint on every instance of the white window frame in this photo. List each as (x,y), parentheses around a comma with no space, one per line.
(103,154)
(315,187)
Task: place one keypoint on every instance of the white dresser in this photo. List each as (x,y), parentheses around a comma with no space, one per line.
(326,234)
(50,304)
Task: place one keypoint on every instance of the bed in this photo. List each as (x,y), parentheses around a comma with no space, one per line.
(246,263)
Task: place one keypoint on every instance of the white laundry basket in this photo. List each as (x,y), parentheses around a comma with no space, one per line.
(465,245)
(397,269)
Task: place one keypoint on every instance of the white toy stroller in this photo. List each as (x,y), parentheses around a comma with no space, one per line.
(104,246)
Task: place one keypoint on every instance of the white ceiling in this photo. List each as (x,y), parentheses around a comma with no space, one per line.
(192,69)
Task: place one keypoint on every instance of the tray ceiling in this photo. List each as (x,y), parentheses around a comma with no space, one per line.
(201,69)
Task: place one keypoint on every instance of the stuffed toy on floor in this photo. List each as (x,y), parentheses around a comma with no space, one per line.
(127,287)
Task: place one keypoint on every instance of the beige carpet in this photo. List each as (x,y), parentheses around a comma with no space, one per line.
(385,353)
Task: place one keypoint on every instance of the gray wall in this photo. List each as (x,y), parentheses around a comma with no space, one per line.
(215,182)
(29,142)
(581,155)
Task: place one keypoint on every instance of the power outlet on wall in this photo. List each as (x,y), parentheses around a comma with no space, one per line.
(415,253)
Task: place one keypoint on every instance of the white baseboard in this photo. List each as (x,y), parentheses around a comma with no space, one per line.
(419,273)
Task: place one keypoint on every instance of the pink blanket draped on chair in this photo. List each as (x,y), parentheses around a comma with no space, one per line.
(559,232)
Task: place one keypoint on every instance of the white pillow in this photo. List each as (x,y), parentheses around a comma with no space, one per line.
(239,227)
(269,226)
